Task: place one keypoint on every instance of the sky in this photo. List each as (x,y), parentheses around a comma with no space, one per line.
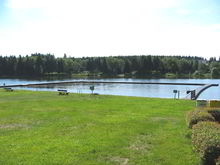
(81,28)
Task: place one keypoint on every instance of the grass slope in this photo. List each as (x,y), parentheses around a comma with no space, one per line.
(45,128)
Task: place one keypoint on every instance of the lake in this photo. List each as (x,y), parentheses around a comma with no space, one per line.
(141,90)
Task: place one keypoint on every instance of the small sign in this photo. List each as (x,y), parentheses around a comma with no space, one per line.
(174,91)
(92,88)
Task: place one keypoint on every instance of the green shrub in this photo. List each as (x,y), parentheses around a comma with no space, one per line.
(206,141)
(193,117)
(218,161)
(215,113)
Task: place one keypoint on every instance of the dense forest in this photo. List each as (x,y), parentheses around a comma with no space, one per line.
(130,66)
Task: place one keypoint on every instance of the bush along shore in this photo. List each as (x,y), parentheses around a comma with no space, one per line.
(47,128)
(205,124)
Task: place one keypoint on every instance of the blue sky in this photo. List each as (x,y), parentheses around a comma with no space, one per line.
(116,27)
(3,13)
(196,12)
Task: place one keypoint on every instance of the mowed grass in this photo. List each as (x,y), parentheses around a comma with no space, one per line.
(45,128)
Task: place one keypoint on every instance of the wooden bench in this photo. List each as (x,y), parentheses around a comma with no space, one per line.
(8,89)
(62,92)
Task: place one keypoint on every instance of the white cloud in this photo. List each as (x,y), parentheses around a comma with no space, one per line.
(27,4)
(183,11)
(102,28)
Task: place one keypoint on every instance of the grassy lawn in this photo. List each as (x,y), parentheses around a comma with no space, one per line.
(45,128)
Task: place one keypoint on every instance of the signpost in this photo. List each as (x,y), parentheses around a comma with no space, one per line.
(176,92)
(92,88)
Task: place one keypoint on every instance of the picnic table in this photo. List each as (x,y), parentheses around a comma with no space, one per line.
(63,92)
(8,89)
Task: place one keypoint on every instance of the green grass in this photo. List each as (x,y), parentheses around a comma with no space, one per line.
(45,128)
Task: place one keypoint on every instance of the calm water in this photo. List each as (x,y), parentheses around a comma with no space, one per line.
(161,91)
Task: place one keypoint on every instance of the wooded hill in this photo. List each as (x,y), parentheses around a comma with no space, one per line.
(145,66)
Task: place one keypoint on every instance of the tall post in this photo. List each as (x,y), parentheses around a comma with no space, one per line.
(193,94)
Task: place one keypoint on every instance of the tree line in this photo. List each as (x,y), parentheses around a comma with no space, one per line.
(145,65)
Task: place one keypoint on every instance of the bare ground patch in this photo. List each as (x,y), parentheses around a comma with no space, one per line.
(120,160)
(14,126)
(141,144)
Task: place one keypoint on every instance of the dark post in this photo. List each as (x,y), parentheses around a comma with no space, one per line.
(193,94)
(92,88)
(175,92)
